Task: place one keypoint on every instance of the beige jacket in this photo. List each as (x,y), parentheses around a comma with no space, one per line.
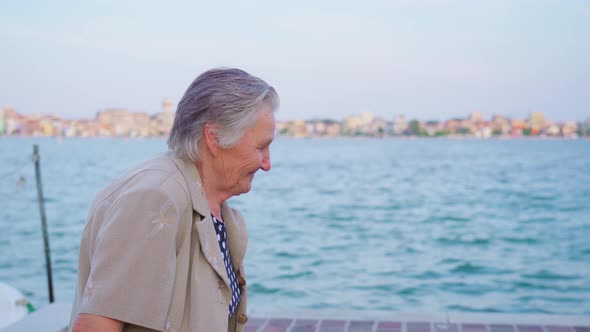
(149,254)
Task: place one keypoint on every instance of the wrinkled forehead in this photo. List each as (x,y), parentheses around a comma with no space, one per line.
(268,124)
(265,126)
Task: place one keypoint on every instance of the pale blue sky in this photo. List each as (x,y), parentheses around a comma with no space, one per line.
(426,59)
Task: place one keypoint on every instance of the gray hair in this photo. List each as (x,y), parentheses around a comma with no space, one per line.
(227,97)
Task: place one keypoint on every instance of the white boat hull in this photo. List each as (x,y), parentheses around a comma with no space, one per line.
(13,305)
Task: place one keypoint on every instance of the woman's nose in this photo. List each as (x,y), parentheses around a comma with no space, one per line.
(265,166)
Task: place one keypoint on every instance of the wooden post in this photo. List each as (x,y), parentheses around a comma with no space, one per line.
(43,220)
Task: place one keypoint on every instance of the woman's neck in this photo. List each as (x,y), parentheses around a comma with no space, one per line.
(215,196)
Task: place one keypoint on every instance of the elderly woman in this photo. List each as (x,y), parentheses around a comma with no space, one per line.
(162,251)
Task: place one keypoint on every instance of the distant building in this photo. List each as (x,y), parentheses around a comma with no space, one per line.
(354,125)
(377,127)
(281,127)
(433,127)
(2,121)
(569,129)
(167,105)
(299,129)
(318,128)
(400,125)
(552,130)
(537,121)
(476,117)
(324,127)
(500,125)
(293,128)
(484,132)
(50,125)
(517,127)
(351,124)
(85,128)
(117,122)
(141,125)
(466,126)
(366,118)
(161,123)
(12,121)
(121,122)
(333,129)
(452,126)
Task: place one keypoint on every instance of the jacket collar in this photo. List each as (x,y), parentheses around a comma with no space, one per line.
(235,227)
(195,185)
(237,236)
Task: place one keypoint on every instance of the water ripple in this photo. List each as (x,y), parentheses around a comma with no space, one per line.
(403,225)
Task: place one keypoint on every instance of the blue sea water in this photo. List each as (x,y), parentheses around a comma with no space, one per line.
(349,224)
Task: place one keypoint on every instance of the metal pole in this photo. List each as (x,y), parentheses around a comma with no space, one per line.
(43,220)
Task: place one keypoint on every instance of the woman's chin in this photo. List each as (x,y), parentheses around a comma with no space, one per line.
(243,187)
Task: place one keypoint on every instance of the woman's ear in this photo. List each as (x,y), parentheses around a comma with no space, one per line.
(211,139)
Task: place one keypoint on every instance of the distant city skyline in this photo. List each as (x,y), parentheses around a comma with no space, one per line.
(343,117)
(425,59)
(123,123)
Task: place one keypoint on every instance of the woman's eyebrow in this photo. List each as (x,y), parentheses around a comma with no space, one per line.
(267,142)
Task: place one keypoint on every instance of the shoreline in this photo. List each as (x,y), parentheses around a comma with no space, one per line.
(401,138)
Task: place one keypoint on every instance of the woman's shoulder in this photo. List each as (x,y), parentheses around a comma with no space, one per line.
(154,177)
(160,176)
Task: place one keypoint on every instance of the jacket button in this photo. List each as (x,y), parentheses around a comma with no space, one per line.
(242,319)
(241,281)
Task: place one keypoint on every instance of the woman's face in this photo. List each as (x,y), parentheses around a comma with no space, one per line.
(239,163)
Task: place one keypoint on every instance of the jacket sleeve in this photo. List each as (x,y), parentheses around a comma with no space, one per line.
(133,259)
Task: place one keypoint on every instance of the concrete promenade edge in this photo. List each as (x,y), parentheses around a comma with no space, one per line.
(55,318)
